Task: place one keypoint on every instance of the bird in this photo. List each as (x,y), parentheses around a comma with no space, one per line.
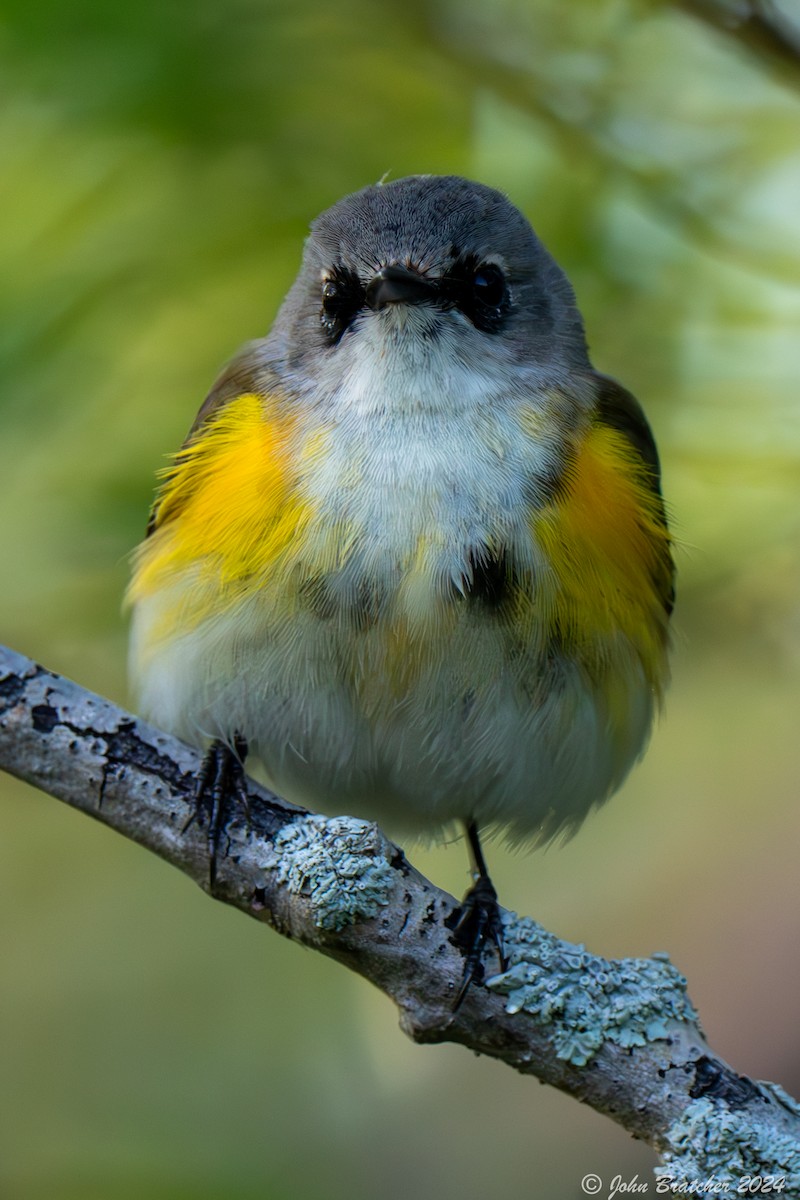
(413,555)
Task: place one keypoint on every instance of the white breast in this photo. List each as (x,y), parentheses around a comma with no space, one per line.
(413,454)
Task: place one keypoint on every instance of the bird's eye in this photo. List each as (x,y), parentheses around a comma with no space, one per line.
(489,285)
(330,295)
(479,290)
(342,299)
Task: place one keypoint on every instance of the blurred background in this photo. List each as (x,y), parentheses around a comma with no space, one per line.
(159,165)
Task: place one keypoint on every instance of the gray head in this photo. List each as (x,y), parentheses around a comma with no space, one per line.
(423,262)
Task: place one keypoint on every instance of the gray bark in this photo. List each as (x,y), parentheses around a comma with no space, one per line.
(621,1036)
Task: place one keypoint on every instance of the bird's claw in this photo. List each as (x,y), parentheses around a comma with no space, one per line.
(219,787)
(476,923)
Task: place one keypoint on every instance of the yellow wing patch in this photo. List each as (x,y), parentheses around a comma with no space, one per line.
(608,547)
(228,510)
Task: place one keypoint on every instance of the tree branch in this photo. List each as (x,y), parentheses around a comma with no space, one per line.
(621,1036)
(467,45)
(758,26)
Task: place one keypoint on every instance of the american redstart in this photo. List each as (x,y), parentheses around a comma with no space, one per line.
(413,553)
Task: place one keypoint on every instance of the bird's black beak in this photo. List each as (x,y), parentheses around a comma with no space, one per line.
(399,285)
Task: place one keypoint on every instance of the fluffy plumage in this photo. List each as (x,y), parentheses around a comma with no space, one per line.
(414,550)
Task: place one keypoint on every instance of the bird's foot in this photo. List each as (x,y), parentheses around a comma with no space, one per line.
(476,925)
(219,787)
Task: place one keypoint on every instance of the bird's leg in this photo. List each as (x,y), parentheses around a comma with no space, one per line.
(219,786)
(477,921)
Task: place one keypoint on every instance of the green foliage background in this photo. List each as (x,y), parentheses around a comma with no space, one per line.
(159,165)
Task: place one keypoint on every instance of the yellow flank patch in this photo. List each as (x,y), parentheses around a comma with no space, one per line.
(228,510)
(608,548)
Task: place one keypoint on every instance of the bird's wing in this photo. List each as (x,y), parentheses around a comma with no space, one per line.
(618,410)
(228,508)
(243,376)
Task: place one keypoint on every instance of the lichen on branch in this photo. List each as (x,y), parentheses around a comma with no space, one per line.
(620,1035)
